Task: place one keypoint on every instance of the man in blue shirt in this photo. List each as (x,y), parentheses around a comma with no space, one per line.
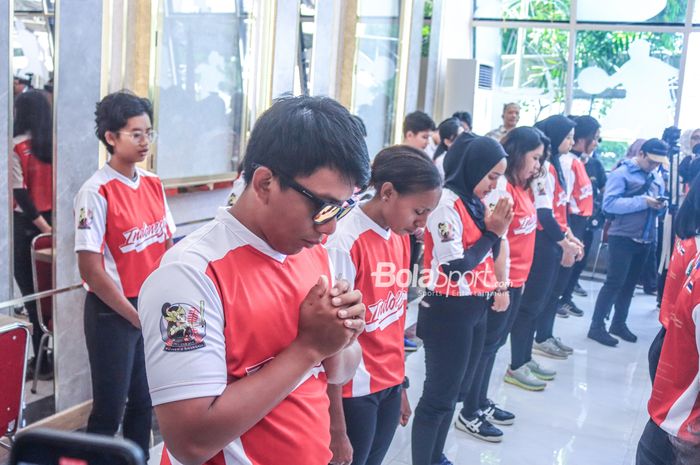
(632,202)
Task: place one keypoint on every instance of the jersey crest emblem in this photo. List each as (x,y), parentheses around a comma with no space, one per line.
(182,327)
(446,232)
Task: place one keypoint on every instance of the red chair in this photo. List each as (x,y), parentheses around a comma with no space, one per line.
(14,348)
(42,272)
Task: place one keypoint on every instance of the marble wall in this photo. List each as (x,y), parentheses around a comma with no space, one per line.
(77,84)
(5,134)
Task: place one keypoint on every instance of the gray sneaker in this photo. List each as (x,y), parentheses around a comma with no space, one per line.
(568,350)
(550,349)
(543,373)
(523,377)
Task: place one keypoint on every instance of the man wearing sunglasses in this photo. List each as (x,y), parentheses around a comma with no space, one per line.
(243,326)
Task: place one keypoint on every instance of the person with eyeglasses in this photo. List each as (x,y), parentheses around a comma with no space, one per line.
(122,228)
(371,250)
(243,321)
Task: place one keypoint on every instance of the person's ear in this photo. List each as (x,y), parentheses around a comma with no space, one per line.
(111,138)
(387,192)
(262,183)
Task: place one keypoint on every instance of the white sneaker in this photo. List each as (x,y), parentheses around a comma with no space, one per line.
(523,377)
(550,349)
(564,348)
(543,373)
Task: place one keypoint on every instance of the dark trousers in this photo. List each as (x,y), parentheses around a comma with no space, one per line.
(498,325)
(545,323)
(24,232)
(545,265)
(371,421)
(578,267)
(118,371)
(655,353)
(625,260)
(453,330)
(655,447)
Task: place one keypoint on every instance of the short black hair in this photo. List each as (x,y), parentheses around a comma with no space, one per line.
(448,130)
(465,117)
(113,112)
(517,143)
(417,122)
(407,168)
(586,127)
(360,124)
(299,135)
(687,221)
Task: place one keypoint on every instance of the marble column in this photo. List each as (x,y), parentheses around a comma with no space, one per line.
(286,46)
(414,56)
(327,48)
(5,135)
(77,89)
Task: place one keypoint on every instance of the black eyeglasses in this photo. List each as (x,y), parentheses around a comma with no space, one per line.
(325,209)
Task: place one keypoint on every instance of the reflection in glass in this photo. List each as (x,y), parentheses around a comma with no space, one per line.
(376,66)
(628,81)
(632,11)
(200,86)
(537,10)
(530,69)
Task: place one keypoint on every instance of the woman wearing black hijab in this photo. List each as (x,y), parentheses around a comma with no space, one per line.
(461,241)
(553,245)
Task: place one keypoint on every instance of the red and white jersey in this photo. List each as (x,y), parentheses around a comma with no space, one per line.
(675,398)
(548,193)
(222,304)
(376,261)
(128,221)
(521,232)
(685,253)
(451,231)
(578,185)
(28,172)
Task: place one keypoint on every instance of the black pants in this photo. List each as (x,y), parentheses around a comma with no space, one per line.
(545,323)
(453,330)
(655,353)
(625,260)
(655,447)
(578,267)
(24,232)
(371,421)
(118,370)
(545,265)
(498,325)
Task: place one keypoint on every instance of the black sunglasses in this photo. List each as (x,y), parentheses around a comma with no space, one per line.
(325,210)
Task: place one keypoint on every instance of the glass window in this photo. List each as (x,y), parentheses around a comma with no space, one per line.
(696,13)
(534,10)
(530,67)
(638,11)
(690,105)
(628,81)
(376,66)
(307,30)
(200,89)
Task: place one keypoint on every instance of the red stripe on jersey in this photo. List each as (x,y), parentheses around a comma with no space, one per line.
(137,229)
(679,268)
(37,175)
(261,298)
(480,280)
(521,235)
(675,399)
(581,202)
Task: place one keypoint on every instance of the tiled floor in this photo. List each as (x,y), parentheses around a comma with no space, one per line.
(593,413)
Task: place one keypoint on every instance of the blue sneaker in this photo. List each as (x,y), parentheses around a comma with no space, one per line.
(409,345)
(443,461)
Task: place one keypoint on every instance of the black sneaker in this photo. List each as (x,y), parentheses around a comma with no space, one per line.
(571,309)
(497,415)
(479,427)
(443,461)
(578,290)
(561,311)
(599,334)
(623,332)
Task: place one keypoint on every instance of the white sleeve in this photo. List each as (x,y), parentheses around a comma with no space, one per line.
(342,265)
(182,321)
(168,215)
(567,169)
(543,190)
(17,175)
(445,227)
(90,217)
